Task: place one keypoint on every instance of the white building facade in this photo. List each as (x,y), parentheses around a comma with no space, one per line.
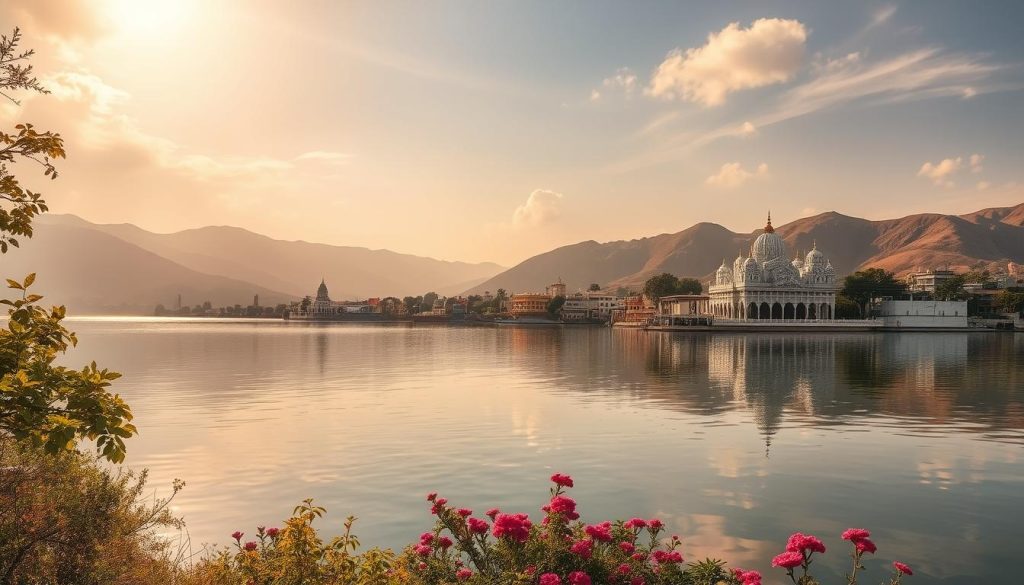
(768,285)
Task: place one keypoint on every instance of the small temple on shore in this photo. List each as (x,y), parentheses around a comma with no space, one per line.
(768,285)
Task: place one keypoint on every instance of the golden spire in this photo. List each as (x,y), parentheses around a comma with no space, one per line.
(768,228)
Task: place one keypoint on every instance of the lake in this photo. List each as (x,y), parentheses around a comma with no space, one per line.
(734,440)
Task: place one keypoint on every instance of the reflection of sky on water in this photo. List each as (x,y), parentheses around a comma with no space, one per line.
(735,440)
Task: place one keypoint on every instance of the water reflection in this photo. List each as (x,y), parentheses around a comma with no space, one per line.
(734,439)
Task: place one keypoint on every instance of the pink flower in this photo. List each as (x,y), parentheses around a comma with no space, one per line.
(477,526)
(250,546)
(550,579)
(237,535)
(747,577)
(855,534)
(623,569)
(902,568)
(865,545)
(439,504)
(655,524)
(465,512)
(514,526)
(627,547)
(492,513)
(564,506)
(444,542)
(273,532)
(639,557)
(579,577)
(601,532)
(562,480)
(427,538)
(422,549)
(583,548)
(635,523)
(463,574)
(431,496)
(530,570)
(422,566)
(788,560)
(636,581)
(804,542)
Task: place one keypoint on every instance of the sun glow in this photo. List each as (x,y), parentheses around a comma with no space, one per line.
(149,19)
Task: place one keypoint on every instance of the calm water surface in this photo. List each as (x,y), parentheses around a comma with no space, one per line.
(735,440)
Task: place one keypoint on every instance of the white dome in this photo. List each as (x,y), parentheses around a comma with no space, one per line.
(814,257)
(769,245)
(750,264)
(797,263)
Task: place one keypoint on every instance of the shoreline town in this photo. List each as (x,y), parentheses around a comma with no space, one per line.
(765,291)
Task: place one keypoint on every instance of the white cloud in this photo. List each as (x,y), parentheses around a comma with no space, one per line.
(541,207)
(883,14)
(733,175)
(975,162)
(595,95)
(770,51)
(982,185)
(747,129)
(623,79)
(942,172)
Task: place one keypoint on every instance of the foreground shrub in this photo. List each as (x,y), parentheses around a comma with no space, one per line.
(499,548)
(65,519)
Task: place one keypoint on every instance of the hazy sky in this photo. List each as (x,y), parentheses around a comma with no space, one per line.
(497,130)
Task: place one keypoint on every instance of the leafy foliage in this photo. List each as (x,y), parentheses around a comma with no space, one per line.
(296,555)
(666,284)
(863,286)
(19,205)
(554,307)
(65,519)
(53,406)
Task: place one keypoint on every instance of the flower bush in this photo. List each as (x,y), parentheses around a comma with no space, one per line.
(506,548)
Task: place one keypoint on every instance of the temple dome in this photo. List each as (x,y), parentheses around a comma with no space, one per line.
(769,245)
(321,292)
(814,258)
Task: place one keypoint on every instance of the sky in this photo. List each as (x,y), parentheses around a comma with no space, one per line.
(493,131)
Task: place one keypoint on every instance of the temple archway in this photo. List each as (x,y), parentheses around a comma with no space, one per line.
(788,312)
(801,311)
(752,311)
(776,311)
(765,312)
(812,311)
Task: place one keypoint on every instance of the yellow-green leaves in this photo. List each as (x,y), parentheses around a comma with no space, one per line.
(53,406)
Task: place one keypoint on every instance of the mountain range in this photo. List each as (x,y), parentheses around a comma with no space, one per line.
(121,268)
(989,238)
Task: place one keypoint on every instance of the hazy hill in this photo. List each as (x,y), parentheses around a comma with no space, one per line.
(988,238)
(93,272)
(295,267)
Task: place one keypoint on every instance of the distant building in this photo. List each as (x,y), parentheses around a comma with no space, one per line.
(928,280)
(767,285)
(589,306)
(924,314)
(529,305)
(556,289)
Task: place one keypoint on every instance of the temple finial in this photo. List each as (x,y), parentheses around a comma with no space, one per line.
(768,228)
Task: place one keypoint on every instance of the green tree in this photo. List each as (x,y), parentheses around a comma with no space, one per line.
(594,287)
(689,286)
(18,206)
(1010,301)
(428,301)
(666,284)
(40,403)
(952,289)
(555,306)
(864,286)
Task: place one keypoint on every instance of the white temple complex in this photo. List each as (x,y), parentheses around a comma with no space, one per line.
(768,285)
